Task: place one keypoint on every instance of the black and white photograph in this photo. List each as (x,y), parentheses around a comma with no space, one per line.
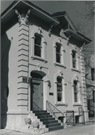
(47,67)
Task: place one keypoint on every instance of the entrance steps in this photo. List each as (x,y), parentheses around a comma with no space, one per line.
(48,120)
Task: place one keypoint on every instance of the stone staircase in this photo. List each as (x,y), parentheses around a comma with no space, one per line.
(48,120)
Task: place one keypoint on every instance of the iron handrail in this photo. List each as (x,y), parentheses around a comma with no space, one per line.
(68,120)
(70,117)
(47,102)
(39,111)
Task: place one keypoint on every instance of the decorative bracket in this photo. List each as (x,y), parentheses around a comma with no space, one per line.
(49,32)
(23,19)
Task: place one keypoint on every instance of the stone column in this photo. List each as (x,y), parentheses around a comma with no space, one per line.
(23,60)
(83,84)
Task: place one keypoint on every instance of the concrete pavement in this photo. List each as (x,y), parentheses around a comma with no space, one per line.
(88,129)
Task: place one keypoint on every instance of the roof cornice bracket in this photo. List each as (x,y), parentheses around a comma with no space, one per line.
(49,32)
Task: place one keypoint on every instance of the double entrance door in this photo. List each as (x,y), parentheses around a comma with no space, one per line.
(36,94)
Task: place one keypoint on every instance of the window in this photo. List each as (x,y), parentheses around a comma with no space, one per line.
(75,91)
(58,53)
(93,74)
(73,59)
(59,89)
(37,45)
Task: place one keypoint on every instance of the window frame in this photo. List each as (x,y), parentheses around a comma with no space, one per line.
(62,102)
(79,102)
(77,68)
(59,41)
(43,57)
(38,45)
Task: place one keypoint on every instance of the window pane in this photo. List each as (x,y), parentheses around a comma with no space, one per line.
(37,45)
(58,52)
(74,63)
(58,47)
(58,58)
(37,39)
(75,97)
(59,96)
(75,91)
(74,59)
(59,88)
(37,51)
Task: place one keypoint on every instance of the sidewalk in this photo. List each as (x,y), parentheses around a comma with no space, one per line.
(87,129)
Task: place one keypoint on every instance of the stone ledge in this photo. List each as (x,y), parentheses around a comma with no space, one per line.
(15,113)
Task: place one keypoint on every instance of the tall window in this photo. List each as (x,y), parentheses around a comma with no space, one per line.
(58,53)
(59,88)
(37,45)
(74,59)
(75,91)
(93,73)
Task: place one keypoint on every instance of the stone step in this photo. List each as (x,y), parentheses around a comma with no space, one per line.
(55,128)
(48,120)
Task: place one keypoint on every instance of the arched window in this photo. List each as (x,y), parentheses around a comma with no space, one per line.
(75,59)
(76,91)
(59,88)
(58,53)
(38,45)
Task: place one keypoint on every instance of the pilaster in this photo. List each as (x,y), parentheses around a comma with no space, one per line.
(83,80)
(23,61)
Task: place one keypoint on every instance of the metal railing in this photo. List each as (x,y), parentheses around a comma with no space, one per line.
(58,114)
(70,117)
(54,111)
(38,109)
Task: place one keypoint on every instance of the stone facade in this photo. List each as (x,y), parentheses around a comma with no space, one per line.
(24,66)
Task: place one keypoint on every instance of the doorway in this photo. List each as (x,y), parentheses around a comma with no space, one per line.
(36,91)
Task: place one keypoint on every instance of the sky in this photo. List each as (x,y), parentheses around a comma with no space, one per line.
(73,9)
(53,6)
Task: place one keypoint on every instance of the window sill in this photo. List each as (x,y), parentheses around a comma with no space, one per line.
(61,104)
(77,104)
(59,64)
(74,69)
(39,58)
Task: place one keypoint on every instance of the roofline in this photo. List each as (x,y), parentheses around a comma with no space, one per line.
(8,10)
(87,40)
(64,13)
(31,6)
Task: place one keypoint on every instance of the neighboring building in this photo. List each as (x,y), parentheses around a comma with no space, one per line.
(90,84)
(42,61)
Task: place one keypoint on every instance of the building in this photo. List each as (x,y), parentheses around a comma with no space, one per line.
(42,63)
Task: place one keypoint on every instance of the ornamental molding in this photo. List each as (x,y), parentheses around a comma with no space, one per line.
(23,18)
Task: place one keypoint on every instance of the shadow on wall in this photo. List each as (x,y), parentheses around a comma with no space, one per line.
(5,47)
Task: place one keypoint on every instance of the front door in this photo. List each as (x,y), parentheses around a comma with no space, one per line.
(36,94)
